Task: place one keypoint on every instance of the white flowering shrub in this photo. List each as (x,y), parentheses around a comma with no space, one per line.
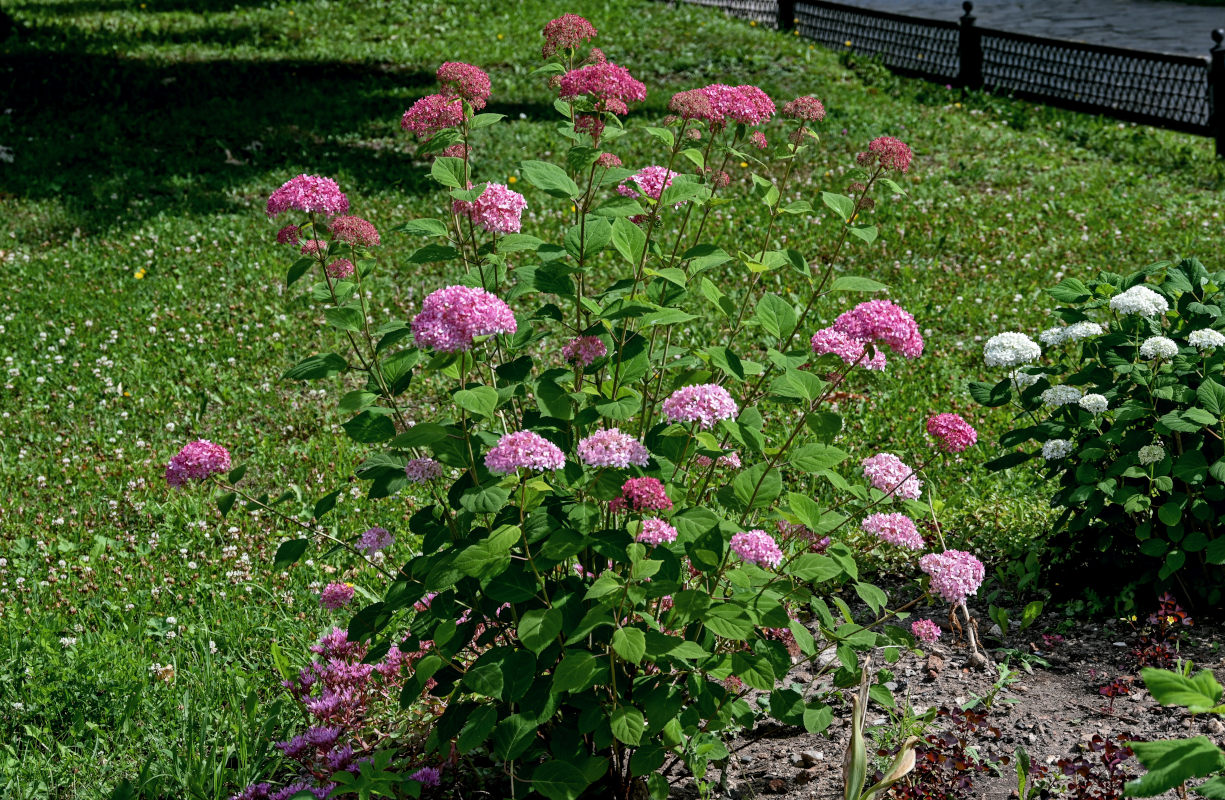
(1124,411)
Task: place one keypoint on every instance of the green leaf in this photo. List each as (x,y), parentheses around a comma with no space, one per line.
(539,627)
(630,644)
(627,724)
(420,435)
(345,318)
(478,727)
(991,395)
(1171,763)
(325,504)
(818,717)
(289,552)
(433,252)
(585,241)
(513,736)
(841,205)
(865,232)
(481,401)
(370,427)
(747,490)
(1070,290)
(814,568)
(775,315)
(559,780)
(629,240)
(549,178)
(575,672)
(1212,396)
(323,365)
(1199,693)
(620,207)
(817,457)
(663,135)
(729,621)
(297,270)
(484,120)
(422,227)
(448,171)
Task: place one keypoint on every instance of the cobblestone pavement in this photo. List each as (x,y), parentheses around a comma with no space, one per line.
(1166,27)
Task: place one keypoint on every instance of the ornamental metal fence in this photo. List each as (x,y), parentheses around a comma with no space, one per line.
(1183,93)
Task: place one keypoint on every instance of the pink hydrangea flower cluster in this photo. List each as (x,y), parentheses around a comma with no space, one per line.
(747,105)
(497,210)
(882,321)
(431,114)
(610,86)
(355,231)
(647,182)
(888,152)
(340,269)
(805,109)
(375,540)
(642,494)
(759,140)
(464,80)
(889,474)
(695,104)
(704,404)
(526,449)
(583,350)
(925,630)
(450,317)
(197,461)
(612,448)
(851,351)
(896,529)
(313,247)
(656,532)
(608,160)
(288,235)
(336,595)
(565,33)
(422,470)
(757,547)
(727,461)
(952,433)
(310,194)
(955,574)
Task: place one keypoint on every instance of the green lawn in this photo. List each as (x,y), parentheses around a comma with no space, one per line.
(145,306)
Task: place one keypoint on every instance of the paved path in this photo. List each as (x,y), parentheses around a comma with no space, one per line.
(1166,27)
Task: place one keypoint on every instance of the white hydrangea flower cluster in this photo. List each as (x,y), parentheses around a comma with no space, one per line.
(1151,454)
(1024,380)
(1158,347)
(1082,330)
(1056,449)
(1010,349)
(1094,403)
(1052,337)
(1206,339)
(1139,300)
(1061,395)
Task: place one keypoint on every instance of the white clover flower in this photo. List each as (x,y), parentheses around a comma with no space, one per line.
(1206,339)
(1052,337)
(1093,403)
(1061,395)
(1056,449)
(1139,300)
(1151,454)
(1024,380)
(1010,349)
(1158,347)
(1082,330)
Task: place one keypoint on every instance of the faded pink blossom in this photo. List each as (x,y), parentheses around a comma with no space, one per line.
(497,210)
(807,109)
(311,194)
(375,540)
(955,574)
(565,33)
(197,461)
(704,404)
(889,474)
(952,433)
(355,231)
(450,317)
(642,494)
(925,630)
(288,235)
(896,529)
(608,160)
(656,532)
(469,82)
(313,247)
(888,152)
(422,470)
(584,350)
(336,595)
(431,114)
(612,448)
(757,547)
(526,449)
(882,321)
(758,139)
(851,351)
(340,269)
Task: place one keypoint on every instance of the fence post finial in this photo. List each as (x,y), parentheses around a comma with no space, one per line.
(1216,91)
(969,51)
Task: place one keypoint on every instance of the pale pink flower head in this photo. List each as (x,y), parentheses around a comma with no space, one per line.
(612,448)
(310,194)
(728,461)
(497,210)
(952,433)
(375,540)
(757,547)
(288,235)
(313,247)
(896,529)
(197,461)
(805,109)
(925,630)
(656,532)
(955,574)
(608,160)
(888,152)
(882,321)
(609,86)
(583,350)
(642,494)
(466,81)
(355,231)
(422,470)
(340,269)
(889,474)
(565,33)
(704,404)
(450,317)
(695,104)
(851,351)
(744,104)
(431,114)
(336,595)
(758,139)
(457,150)
(526,449)
(647,182)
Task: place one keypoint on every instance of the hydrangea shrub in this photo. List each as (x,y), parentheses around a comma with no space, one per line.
(635,533)
(1124,412)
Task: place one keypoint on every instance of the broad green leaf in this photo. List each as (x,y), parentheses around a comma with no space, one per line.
(324,365)
(1171,763)
(1199,693)
(448,171)
(559,780)
(289,552)
(549,178)
(481,400)
(630,644)
(539,627)
(851,283)
(422,227)
(841,205)
(627,724)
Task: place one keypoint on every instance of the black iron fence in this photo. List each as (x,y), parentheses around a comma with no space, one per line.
(1184,93)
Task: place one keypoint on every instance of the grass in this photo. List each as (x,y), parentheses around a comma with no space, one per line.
(144,306)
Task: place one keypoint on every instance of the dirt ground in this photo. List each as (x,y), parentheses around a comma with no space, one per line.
(1052,713)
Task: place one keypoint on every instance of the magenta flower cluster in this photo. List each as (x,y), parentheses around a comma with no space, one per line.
(757,547)
(525,449)
(955,574)
(726,461)
(887,152)
(464,80)
(642,494)
(889,474)
(197,461)
(609,86)
(565,33)
(747,105)
(422,470)
(896,529)
(336,595)
(612,448)
(340,269)
(355,231)
(583,350)
(497,210)
(656,532)
(647,182)
(450,317)
(805,109)
(375,540)
(882,321)
(851,351)
(925,630)
(310,194)
(431,114)
(288,235)
(704,404)
(952,433)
